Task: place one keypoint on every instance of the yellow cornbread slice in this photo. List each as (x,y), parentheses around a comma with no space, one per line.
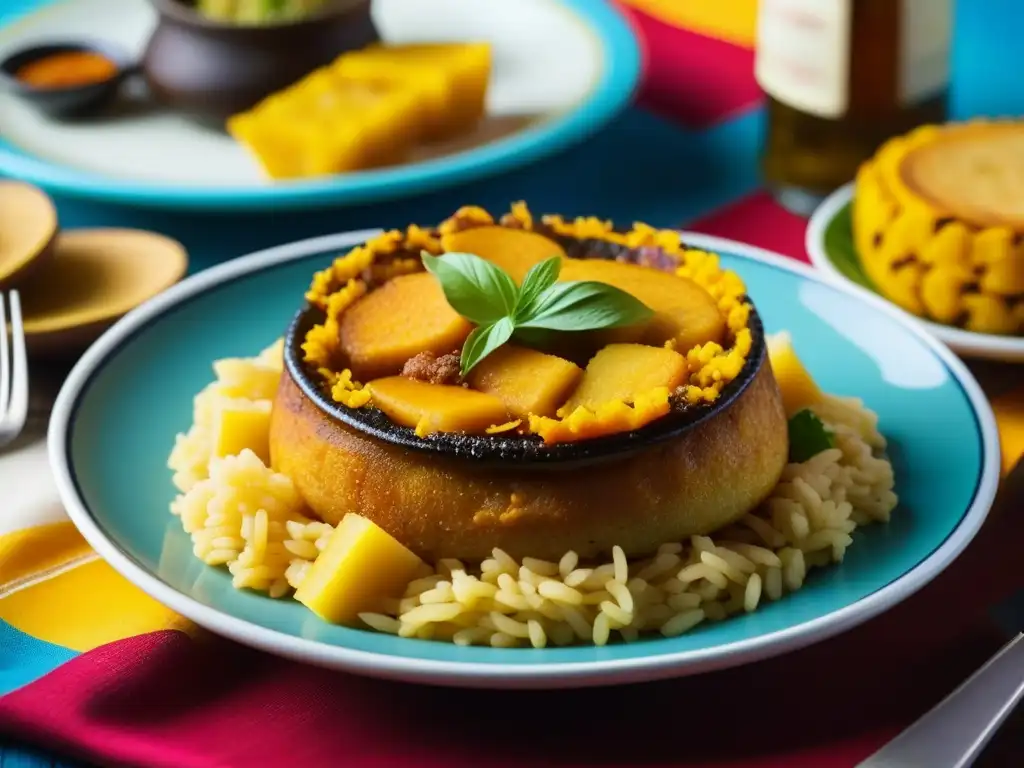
(466,66)
(938,222)
(433,408)
(408,315)
(327,123)
(684,312)
(514,250)
(361,564)
(525,380)
(620,372)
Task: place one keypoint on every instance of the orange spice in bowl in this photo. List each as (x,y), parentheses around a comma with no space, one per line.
(65,79)
(67,69)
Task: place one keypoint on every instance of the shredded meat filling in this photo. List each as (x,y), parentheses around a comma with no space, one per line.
(426,366)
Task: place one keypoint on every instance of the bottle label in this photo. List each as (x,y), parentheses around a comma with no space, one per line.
(803,53)
(925,31)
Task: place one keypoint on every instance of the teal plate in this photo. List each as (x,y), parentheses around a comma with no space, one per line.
(116,417)
(588,44)
(831,249)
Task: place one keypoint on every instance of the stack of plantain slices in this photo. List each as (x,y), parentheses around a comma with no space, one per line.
(938,220)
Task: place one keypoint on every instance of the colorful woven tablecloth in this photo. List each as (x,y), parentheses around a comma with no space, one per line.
(96,671)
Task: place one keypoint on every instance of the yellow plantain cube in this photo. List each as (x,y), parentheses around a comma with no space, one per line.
(797,386)
(237,428)
(327,123)
(361,564)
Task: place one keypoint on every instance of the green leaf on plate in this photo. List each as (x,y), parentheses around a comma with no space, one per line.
(840,250)
(808,436)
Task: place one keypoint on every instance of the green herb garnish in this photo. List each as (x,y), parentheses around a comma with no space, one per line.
(808,436)
(486,295)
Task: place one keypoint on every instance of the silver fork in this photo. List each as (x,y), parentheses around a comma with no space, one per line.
(954,733)
(13,372)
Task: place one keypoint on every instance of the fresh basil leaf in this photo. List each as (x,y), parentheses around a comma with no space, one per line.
(541,276)
(484,340)
(808,436)
(478,290)
(582,306)
(534,338)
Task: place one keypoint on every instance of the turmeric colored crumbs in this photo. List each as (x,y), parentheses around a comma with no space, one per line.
(340,285)
(322,345)
(508,426)
(608,419)
(385,256)
(710,367)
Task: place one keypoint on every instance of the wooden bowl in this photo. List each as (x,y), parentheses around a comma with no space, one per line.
(28,231)
(93,277)
(212,69)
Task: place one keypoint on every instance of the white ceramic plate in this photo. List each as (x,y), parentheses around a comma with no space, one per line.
(831,249)
(569,65)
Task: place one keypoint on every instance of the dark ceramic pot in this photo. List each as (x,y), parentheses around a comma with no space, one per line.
(527,450)
(211,69)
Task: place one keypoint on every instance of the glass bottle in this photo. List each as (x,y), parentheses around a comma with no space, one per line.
(841,77)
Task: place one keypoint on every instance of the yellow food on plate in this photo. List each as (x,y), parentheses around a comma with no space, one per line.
(798,389)
(360,565)
(485,509)
(239,426)
(452,77)
(938,223)
(366,109)
(430,408)
(624,371)
(327,124)
(699,310)
(525,380)
(514,250)
(242,384)
(406,316)
(685,313)
(466,65)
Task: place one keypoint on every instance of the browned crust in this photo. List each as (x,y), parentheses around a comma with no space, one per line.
(695,484)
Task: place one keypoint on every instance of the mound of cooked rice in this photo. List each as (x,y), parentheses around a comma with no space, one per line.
(243,515)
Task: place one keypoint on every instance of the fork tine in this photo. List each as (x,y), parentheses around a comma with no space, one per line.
(18,413)
(5,361)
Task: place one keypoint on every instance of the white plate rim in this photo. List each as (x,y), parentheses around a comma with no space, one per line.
(982,346)
(520,676)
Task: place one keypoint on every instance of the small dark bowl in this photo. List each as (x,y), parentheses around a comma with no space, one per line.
(524,451)
(211,69)
(76,101)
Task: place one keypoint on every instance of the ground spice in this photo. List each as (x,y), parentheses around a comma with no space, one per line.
(68,69)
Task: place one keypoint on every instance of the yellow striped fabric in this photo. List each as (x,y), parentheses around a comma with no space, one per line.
(734,21)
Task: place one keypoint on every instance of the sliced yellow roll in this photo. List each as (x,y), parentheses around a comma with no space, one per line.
(938,221)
